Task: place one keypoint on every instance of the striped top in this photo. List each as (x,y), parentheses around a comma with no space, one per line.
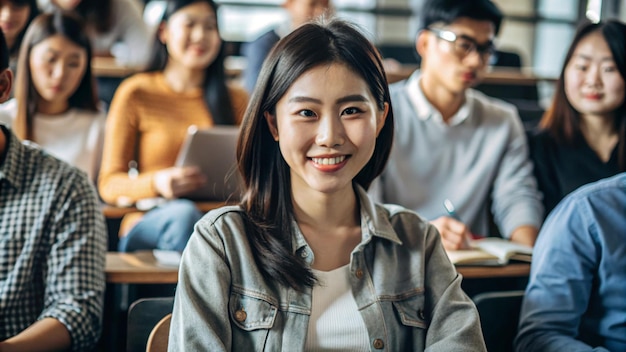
(147,123)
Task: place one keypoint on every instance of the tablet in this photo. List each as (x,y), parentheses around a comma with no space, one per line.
(213,150)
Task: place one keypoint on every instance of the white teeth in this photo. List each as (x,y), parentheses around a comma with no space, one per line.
(329,161)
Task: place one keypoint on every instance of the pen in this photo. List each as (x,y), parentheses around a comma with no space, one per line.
(447,204)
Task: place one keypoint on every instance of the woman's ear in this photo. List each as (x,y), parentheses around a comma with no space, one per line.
(381,118)
(271,123)
(6,84)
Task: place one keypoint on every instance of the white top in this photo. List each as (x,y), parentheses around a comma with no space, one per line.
(335,323)
(129,38)
(75,136)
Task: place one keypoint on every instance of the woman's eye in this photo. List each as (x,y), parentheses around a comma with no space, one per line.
(306,113)
(351,111)
(609,69)
(580,67)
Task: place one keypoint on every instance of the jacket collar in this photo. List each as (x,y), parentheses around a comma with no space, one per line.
(374,223)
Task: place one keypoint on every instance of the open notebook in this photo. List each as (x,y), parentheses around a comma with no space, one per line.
(491,251)
(213,151)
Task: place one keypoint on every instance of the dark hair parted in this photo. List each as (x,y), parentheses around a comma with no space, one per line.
(34,12)
(448,11)
(267,198)
(216,94)
(562,120)
(43,27)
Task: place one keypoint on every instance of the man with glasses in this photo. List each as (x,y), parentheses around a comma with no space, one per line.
(453,144)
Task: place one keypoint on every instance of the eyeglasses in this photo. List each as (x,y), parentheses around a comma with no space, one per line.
(464,45)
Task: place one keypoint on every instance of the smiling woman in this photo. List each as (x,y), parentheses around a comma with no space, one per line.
(308,261)
(148,121)
(582,138)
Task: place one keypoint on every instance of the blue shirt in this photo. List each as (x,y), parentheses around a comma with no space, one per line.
(406,290)
(576,297)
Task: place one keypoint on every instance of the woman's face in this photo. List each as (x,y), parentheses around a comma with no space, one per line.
(13,20)
(57,66)
(326,125)
(67,5)
(593,85)
(191,36)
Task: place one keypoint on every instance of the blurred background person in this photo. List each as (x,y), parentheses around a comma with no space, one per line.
(55,102)
(148,120)
(582,137)
(15,16)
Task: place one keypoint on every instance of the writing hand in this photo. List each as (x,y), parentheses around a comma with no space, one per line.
(454,234)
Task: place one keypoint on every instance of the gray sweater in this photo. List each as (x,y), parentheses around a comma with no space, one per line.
(480,159)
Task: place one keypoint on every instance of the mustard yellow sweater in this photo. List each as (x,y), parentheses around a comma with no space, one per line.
(147,123)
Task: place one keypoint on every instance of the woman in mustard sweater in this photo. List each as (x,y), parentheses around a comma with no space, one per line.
(148,121)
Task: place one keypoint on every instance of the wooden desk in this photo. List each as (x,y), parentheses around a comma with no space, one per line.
(113,212)
(142,268)
(138,268)
(107,67)
(488,272)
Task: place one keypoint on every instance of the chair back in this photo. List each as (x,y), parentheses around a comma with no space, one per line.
(160,335)
(499,317)
(143,316)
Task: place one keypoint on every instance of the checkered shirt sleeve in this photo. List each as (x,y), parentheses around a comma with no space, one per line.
(53,245)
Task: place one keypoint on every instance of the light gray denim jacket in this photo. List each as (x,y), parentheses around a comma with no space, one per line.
(406,290)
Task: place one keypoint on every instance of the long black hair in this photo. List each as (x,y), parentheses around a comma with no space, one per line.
(216,93)
(267,199)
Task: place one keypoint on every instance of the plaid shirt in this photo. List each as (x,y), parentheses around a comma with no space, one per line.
(52,245)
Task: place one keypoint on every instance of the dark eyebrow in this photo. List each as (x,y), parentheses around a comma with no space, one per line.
(352,98)
(346,99)
(304,100)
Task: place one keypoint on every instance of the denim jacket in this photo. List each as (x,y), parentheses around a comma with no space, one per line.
(406,289)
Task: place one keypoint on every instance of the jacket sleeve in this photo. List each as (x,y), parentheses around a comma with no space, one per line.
(454,321)
(200,320)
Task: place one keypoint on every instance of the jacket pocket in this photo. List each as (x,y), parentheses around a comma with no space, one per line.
(251,313)
(411,311)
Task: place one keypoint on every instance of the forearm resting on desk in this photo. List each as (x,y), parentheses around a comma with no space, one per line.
(525,234)
(47,334)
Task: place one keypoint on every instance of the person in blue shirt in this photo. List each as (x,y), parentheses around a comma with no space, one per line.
(576,296)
